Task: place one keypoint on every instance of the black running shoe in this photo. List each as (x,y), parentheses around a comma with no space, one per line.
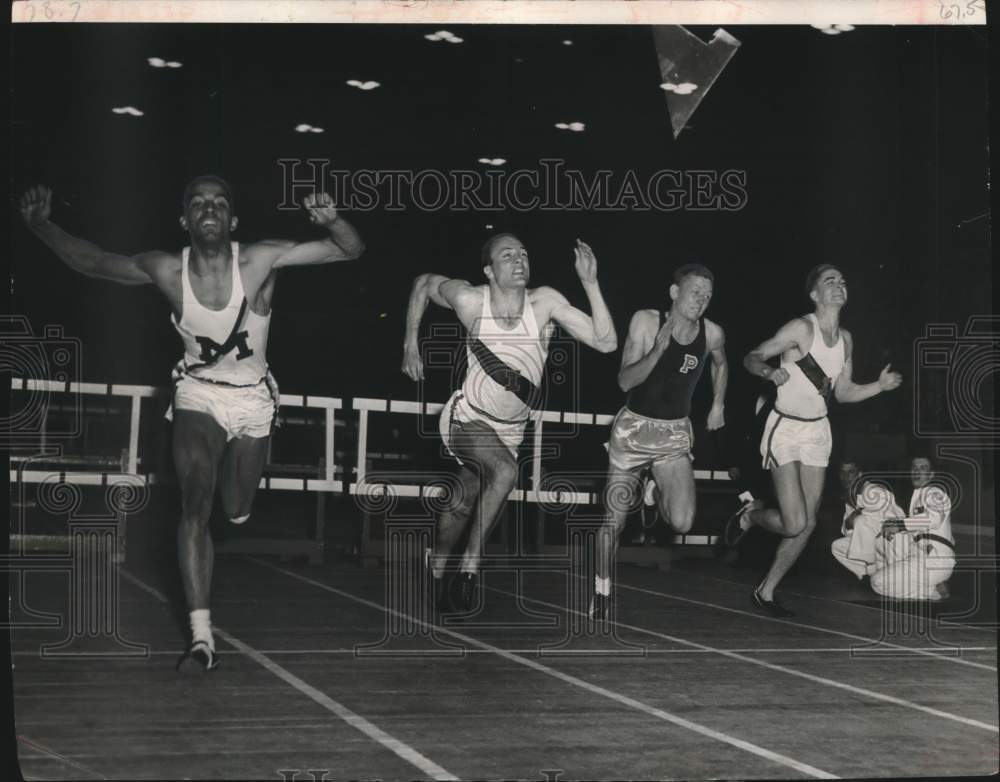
(440,589)
(773,607)
(600,608)
(463,592)
(199,658)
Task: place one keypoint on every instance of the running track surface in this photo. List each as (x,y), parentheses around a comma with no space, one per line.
(691,684)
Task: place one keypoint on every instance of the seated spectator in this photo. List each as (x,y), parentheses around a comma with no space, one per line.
(916,555)
(868,505)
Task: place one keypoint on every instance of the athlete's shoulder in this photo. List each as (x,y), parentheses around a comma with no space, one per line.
(466,288)
(263,249)
(160,263)
(848,342)
(545,300)
(800,327)
(643,324)
(462,295)
(715,335)
(164,257)
(646,317)
(545,293)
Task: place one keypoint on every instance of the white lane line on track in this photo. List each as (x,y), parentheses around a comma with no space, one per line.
(793,623)
(427,767)
(46,752)
(792,671)
(624,700)
(822,599)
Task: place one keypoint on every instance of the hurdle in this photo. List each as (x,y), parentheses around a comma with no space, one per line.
(97,470)
(385,482)
(320,478)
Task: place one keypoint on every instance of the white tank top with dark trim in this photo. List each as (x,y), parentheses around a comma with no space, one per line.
(798,396)
(523,348)
(205,332)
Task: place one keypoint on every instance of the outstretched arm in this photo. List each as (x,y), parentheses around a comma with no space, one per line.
(443,291)
(79,254)
(845,390)
(597,329)
(344,243)
(720,376)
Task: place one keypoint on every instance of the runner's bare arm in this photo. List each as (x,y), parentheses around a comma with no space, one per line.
(598,331)
(719,368)
(642,350)
(343,244)
(456,295)
(79,254)
(793,334)
(847,391)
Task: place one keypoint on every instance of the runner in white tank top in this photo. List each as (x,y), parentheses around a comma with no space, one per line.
(482,424)
(205,331)
(224,370)
(220,296)
(799,396)
(482,398)
(815,362)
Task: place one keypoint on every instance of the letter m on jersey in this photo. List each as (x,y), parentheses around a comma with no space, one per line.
(212,350)
(690,362)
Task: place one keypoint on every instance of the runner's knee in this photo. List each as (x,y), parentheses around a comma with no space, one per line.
(680,519)
(502,474)
(462,495)
(236,506)
(795,524)
(877,580)
(196,503)
(197,489)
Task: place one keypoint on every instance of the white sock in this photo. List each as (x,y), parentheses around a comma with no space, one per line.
(602,585)
(239,519)
(201,627)
(434,563)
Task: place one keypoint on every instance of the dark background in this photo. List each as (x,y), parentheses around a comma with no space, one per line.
(866,149)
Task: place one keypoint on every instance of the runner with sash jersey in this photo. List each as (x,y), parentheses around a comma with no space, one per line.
(509,327)
(225,399)
(815,356)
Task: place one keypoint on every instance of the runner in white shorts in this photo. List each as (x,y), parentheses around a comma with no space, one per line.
(225,400)
(482,425)
(664,356)
(815,362)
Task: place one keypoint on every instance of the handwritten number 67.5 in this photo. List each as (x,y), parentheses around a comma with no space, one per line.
(971,8)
